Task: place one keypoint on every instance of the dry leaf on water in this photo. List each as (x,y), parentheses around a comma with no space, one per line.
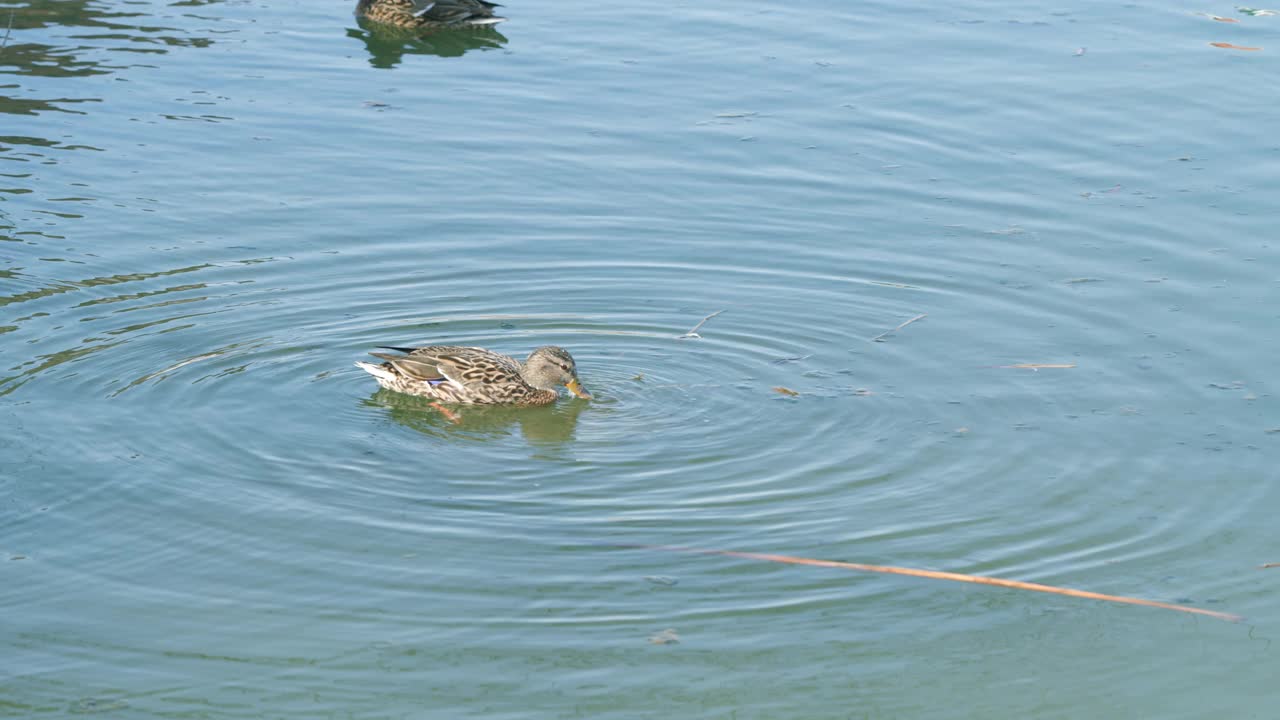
(1229,46)
(785,391)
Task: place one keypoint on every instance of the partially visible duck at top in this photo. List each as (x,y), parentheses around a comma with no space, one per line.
(428,15)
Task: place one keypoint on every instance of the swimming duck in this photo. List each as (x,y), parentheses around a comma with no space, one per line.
(477,376)
(428,15)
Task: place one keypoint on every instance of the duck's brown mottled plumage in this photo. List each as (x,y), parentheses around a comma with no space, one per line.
(428,15)
(453,374)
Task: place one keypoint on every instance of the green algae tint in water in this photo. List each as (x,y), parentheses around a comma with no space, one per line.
(210,210)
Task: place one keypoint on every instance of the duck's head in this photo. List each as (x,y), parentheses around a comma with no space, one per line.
(551,368)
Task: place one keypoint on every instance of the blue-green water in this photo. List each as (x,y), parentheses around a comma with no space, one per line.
(209,210)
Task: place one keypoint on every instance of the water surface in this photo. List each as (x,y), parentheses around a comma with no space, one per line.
(209,210)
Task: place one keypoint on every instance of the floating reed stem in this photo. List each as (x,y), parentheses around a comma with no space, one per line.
(8,30)
(881,336)
(937,575)
(694,332)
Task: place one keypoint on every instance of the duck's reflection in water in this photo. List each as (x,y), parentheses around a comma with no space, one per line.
(544,425)
(387,45)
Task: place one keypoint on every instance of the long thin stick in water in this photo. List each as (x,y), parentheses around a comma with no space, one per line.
(1264,566)
(1033,366)
(8,30)
(937,575)
(879,337)
(694,332)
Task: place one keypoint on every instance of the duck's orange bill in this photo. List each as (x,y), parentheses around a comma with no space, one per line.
(576,388)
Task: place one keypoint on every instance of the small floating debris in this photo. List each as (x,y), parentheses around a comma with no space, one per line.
(1080,51)
(638,378)
(737,114)
(1264,566)
(88,706)
(1108,191)
(1229,46)
(666,637)
(881,336)
(663,580)
(786,391)
(694,332)
(1218,18)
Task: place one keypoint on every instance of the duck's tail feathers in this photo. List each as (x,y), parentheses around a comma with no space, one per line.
(397,349)
(376,370)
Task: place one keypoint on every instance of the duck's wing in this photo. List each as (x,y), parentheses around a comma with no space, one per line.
(466,367)
(457,12)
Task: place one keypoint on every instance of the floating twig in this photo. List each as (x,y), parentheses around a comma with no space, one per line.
(1264,566)
(666,637)
(694,332)
(786,391)
(8,30)
(1035,366)
(879,337)
(1218,18)
(938,575)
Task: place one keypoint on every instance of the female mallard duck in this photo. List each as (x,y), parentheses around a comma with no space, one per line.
(428,15)
(477,376)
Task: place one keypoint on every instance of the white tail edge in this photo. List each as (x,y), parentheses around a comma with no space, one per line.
(375,370)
